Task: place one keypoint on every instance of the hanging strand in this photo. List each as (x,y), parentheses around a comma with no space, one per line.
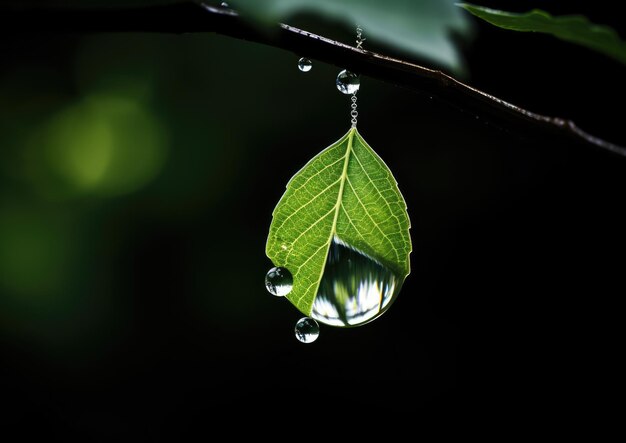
(359,37)
(359,45)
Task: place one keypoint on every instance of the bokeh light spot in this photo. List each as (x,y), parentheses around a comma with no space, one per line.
(106,145)
(35,254)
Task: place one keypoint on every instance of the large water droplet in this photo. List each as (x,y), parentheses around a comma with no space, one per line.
(355,288)
(279,281)
(307,330)
(304,64)
(348,82)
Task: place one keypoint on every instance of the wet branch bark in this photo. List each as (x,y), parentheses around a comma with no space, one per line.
(193,17)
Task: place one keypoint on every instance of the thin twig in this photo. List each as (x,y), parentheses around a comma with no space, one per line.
(193,17)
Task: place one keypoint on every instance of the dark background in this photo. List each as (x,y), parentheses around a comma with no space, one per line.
(132,303)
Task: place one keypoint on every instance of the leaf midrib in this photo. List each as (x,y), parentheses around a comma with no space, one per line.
(337,207)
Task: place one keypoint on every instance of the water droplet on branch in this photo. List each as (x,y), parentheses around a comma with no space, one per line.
(304,64)
(279,281)
(348,82)
(307,330)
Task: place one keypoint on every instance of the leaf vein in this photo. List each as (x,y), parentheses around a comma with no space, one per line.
(318,173)
(315,197)
(370,216)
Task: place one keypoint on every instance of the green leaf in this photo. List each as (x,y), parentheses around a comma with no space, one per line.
(345,191)
(572,28)
(422,28)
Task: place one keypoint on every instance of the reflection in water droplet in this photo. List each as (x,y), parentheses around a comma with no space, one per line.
(279,281)
(224,5)
(304,64)
(355,288)
(348,82)
(307,330)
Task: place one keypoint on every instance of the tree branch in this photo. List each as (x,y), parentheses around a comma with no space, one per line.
(192,17)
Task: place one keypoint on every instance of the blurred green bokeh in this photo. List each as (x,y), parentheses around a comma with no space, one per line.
(36,251)
(113,143)
(88,127)
(104,144)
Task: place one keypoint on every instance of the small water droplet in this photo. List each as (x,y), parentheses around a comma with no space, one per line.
(224,5)
(307,330)
(279,281)
(348,82)
(304,64)
(355,288)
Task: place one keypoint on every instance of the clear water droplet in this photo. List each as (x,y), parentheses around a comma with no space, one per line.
(224,5)
(355,288)
(348,82)
(279,281)
(304,64)
(307,330)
